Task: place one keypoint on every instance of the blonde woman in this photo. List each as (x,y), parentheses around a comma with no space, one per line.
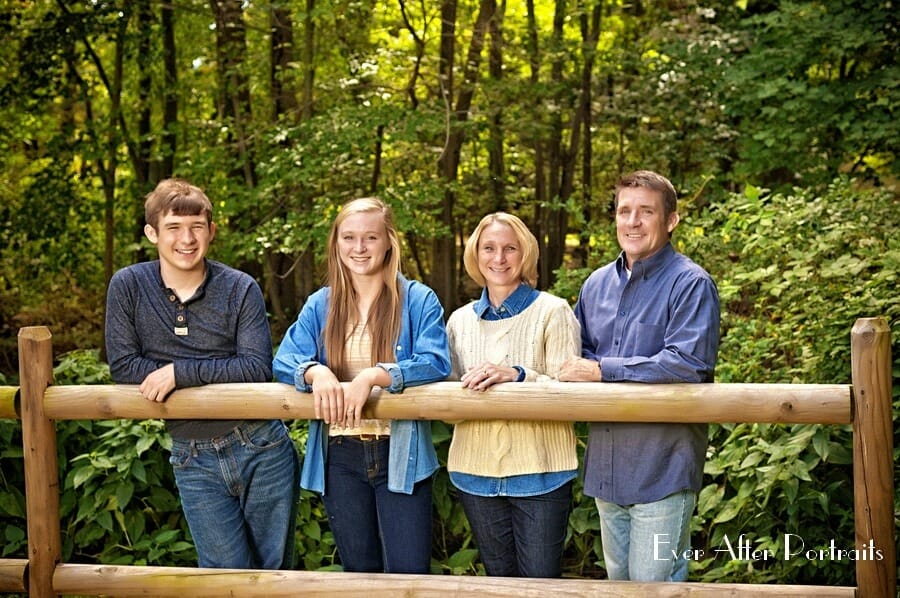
(514,477)
(369,327)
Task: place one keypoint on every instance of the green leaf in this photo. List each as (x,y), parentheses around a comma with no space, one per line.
(312,530)
(166,536)
(82,475)
(729,510)
(462,560)
(124,492)
(104,520)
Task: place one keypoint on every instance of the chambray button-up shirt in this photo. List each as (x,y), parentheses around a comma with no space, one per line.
(423,356)
(660,325)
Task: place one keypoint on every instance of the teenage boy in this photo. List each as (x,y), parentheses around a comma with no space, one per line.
(184,320)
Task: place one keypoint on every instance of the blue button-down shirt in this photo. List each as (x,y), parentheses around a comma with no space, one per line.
(658,325)
(531,484)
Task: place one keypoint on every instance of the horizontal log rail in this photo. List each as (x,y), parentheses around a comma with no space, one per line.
(448,401)
(866,405)
(178,582)
(13,573)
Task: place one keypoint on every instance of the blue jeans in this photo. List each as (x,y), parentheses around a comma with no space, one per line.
(239,493)
(520,536)
(647,542)
(375,530)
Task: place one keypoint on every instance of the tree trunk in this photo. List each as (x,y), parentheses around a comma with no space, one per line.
(284,94)
(444,276)
(287,280)
(496,160)
(170,94)
(233,101)
(309,65)
(143,181)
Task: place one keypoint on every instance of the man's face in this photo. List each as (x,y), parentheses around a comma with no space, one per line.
(182,241)
(641,225)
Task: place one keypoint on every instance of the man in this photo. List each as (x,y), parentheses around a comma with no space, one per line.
(652,315)
(183,321)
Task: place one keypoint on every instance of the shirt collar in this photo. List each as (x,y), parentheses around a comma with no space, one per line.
(647,267)
(201,290)
(511,306)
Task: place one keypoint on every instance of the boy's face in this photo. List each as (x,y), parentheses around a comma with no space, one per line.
(182,241)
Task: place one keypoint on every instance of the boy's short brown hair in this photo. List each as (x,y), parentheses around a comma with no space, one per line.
(178,197)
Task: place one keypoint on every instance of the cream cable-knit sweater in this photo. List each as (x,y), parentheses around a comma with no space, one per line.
(539,339)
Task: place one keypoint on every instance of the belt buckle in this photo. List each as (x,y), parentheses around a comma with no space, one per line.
(367,437)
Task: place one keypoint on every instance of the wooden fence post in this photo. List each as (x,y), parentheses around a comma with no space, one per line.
(41,468)
(873,458)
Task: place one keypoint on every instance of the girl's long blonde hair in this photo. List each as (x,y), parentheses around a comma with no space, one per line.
(343,314)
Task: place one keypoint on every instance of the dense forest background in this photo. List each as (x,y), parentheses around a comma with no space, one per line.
(777,121)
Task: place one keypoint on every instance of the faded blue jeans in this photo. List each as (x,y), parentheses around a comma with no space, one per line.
(647,542)
(239,493)
(375,530)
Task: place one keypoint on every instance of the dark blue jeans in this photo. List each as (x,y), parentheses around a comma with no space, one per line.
(239,493)
(520,536)
(376,530)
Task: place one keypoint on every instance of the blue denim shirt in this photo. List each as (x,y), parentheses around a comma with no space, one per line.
(423,356)
(531,484)
(660,325)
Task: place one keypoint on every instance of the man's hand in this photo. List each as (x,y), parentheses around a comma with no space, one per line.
(579,369)
(157,385)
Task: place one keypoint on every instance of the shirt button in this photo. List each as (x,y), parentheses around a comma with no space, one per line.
(172,297)
(621,313)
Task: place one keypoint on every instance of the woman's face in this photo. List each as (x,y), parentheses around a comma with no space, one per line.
(363,243)
(500,256)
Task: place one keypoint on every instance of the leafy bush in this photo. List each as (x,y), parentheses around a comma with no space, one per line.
(794,273)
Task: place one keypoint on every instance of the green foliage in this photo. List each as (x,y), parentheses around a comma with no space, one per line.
(817,91)
(794,273)
(118,503)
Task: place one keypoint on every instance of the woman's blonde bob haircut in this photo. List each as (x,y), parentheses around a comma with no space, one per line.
(527,243)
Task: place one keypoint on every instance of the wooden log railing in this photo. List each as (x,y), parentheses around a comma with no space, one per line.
(866,404)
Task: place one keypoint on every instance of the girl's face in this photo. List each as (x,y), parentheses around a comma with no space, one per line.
(500,256)
(363,243)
